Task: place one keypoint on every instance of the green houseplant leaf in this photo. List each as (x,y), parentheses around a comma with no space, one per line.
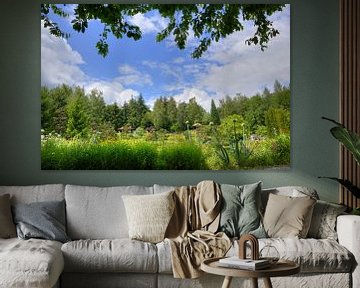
(351,141)
(348,138)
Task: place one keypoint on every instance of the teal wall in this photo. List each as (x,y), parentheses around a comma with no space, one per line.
(314,86)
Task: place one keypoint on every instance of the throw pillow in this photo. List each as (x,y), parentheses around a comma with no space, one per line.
(7,226)
(43,220)
(288,217)
(323,222)
(240,213)
(149,215)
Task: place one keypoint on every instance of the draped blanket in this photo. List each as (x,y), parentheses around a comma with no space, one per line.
(191,232)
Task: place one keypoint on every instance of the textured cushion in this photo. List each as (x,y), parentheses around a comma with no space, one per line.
(117,255)
(30,263)
(287,216)
(323,222)
(149,215)
(7,227)
(240,210)
(35,193)
(44,220)
(98,213)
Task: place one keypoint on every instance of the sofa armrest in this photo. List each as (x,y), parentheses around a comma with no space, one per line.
(348,230)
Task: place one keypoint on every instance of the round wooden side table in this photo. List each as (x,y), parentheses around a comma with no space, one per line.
(281,268)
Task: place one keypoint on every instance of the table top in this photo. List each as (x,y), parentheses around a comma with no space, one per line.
(281,268)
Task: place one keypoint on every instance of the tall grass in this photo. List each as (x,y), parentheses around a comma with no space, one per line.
(60,154)
(166,154)
(181,156)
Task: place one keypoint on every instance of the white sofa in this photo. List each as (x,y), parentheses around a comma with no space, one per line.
(101,254)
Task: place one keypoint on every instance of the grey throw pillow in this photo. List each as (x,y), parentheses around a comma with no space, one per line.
(240,213)
(7,226)
(323,222)
(44,220)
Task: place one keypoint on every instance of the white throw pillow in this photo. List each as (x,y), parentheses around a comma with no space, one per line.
(149,215)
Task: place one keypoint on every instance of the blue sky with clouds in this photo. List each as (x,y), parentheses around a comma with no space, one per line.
(161,69)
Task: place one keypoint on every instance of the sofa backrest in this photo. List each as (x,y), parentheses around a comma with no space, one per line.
(35,193)
(98,212)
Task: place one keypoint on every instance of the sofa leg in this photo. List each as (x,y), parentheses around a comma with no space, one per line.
(254,282)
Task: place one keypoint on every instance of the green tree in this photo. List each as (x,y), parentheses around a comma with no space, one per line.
(112,114)
(77,113)
(277,121)
(209,22)
(137,110)
(195,113)
(53,108)
(160,117)
(96,110)
(181,116)
(214,113)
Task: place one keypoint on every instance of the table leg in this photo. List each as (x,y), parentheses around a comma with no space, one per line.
(267,283)
(254,282)
(227,282)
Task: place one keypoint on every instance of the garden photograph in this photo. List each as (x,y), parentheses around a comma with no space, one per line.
(165,87)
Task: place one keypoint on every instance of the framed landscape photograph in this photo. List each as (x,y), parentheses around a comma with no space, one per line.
(165,87)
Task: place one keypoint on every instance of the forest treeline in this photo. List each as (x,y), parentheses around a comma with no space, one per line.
(71,112)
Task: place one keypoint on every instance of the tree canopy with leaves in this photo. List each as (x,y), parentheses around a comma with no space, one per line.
(206,22)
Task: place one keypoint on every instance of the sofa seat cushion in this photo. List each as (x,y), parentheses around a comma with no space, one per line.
(30,263)
(110,255)
(313,255)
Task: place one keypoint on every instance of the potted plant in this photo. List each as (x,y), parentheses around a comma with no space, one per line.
(351,141)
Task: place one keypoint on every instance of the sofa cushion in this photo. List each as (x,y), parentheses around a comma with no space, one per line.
(30,263)
(240,210)
(98,213)
(7,226)
(43,220)
(116,255)
(323,222)
(287,216)
(313,255)
(149,215)
(35,193)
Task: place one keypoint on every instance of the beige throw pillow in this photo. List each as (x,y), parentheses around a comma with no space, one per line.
(149,215)
(288,217)
(7,226)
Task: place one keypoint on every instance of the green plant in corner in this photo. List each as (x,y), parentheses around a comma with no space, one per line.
(351,141)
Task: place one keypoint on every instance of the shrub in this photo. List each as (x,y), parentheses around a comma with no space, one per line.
(183,156)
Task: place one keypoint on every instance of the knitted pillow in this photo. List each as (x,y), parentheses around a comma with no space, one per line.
(149,215)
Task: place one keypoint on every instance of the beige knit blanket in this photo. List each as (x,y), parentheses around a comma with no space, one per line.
(191,231)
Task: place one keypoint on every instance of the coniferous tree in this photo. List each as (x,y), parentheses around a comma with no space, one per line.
(214,113)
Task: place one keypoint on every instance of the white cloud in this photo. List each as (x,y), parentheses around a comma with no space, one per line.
(60,64)
(130,75)
(148,24)
(113,91)
(235,67)
(202,97)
